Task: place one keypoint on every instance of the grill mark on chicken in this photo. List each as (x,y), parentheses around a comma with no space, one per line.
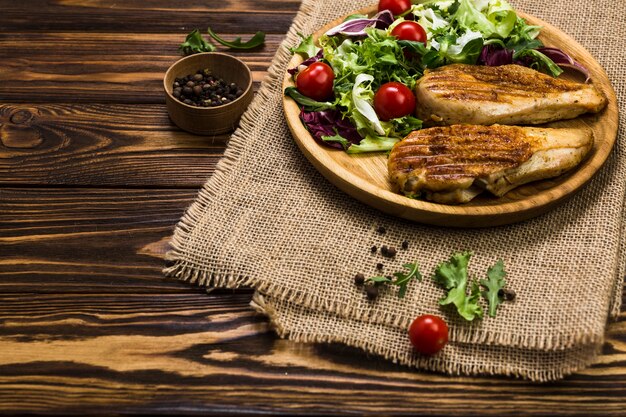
(453,164)
(508,94)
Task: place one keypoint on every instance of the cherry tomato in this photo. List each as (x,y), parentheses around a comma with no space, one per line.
(428,334)
(394,6)
(410,31)
(316,81)
(393,100)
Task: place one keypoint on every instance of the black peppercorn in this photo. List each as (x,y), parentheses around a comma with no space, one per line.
(384,250)
(405,245)
(373,249)
(197,90)
(371,291)
(359,279)
(379,266)
(391,252)
(506,294)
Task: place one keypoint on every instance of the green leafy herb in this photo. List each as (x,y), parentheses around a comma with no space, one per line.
(307,48)
(493,284)
(383,280)
(452,275)
(402,279)
(337,138)
(308,103)
(355,16)
(195,43)
(541,61)
(257,40)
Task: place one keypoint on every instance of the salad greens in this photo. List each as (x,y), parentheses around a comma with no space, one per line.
(401,280)
(364,55)
(195,43)
(452,275)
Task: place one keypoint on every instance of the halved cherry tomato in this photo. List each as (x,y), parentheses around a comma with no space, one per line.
(316,81)
(393,100)
(394,6)
(410,31)
(428,334)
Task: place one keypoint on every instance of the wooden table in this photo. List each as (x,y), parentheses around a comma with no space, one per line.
(93,179)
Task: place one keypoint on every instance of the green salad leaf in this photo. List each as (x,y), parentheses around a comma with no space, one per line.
(345,143)
(452,275)
(257,40)
(308,103)
(306,48)
(493,284)
(403,279)
(195,43)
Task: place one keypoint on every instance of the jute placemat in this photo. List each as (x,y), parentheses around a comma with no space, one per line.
(269,220)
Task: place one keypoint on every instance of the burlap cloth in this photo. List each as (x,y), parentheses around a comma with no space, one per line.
(267,219)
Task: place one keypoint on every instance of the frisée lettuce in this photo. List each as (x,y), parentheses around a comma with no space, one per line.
(364,55)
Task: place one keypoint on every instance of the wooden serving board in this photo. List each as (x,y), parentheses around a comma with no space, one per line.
(364,176)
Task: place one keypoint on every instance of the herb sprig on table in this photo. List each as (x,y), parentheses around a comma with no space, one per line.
(462,291)
(195,43)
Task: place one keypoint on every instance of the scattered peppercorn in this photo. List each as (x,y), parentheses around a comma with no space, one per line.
(405,245)
(506,294)
(384,250)
(381,230)
(379,266)
(374,249)
(371,291)
(391,252)
(202,89)
(359,279)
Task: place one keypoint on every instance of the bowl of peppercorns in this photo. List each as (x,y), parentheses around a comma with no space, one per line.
(207,93)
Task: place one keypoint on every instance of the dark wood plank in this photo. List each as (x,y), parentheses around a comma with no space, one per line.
(87,240)
(100,67)
(224,16)
(103,145)
(210,354)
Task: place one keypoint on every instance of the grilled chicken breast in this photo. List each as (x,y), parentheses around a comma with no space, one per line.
(453,164)
(508,94)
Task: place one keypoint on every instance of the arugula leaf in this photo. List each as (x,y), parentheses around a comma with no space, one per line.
(452,275)
(257,40)
(403,279)
(378,279)
(307,48)
(538,61)
(195,43)
(494,283)
(308,103)
(345,143)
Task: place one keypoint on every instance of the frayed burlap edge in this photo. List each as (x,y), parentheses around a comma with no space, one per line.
(192,273)
(265,307)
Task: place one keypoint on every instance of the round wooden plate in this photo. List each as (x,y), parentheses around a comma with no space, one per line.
(364,176)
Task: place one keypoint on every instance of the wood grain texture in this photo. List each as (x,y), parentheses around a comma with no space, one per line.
(135,16)
(365,176)
(87,240)
(199,354)
(88,324)
(101,67)
(101,145)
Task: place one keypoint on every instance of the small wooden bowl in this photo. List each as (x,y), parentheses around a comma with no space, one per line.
(209,120)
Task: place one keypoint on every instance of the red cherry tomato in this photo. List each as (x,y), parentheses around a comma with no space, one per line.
(410,31)
(394,6)
(393,100)
(428,334)
(316,81)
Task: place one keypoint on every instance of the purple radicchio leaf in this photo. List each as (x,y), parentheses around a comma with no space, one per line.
(329,123)
(564,60)
(304,64)
(356,27)
(493,56)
